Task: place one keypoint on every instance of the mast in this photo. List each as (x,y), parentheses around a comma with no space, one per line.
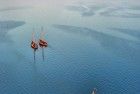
(34,46)
(42,46)
(42,43)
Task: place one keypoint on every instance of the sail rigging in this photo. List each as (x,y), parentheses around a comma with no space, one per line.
(34,46)
(42,43)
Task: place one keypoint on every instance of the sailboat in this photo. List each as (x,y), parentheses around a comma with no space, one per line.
(42,43)
(34,46)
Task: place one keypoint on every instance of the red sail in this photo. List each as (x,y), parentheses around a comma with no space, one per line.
(34,45)
(43,43)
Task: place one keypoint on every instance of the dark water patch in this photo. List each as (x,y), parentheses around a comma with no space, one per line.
(5,26)
(85,31)
(88,13)
(10,24)
(118,46)
(125,12)
(135,33)
(84,10)
(134,7)
(13,8)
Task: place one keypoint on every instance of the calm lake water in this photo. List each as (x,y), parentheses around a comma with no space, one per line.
(89,47)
